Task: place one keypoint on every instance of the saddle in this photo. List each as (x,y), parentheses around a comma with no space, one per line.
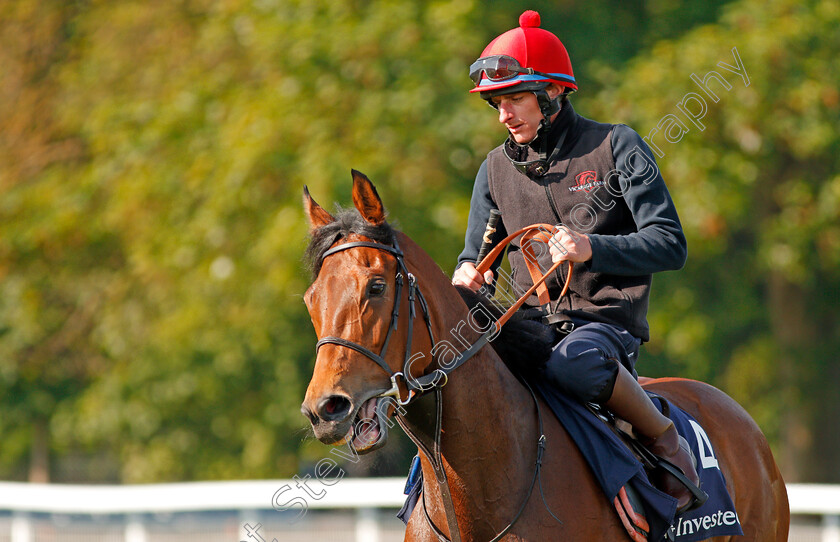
(627,503)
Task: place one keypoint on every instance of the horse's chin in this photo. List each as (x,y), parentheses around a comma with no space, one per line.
(367,432)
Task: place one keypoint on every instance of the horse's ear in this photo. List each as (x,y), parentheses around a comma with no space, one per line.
(366,199)
(317,215)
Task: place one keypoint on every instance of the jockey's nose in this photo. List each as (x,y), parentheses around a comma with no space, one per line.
(505,113)
(333,408)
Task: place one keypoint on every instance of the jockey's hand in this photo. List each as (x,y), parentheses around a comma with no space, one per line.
(569,246)
(466,275)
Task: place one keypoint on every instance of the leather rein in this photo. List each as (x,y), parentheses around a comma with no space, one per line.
(437,379)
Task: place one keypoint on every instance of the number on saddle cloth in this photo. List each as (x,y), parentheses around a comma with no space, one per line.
(615,466)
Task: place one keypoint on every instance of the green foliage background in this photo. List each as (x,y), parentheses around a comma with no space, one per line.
(152,157)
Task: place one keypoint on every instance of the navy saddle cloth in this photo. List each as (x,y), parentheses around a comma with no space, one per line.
(614,466)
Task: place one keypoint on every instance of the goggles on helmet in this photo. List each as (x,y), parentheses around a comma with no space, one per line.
(499,68)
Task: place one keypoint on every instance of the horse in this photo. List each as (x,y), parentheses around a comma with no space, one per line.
(482,444)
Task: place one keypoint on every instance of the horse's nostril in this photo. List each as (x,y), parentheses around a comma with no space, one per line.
(309,414)
(334,407)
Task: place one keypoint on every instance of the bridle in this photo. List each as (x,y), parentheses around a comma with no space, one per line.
(414,385)
(437,379)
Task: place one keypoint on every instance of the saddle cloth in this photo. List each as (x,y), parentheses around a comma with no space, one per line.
(614,466)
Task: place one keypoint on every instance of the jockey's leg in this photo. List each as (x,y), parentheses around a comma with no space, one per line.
(657,432)
(583,364)
(594,363)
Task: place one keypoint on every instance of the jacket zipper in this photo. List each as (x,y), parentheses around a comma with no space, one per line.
(559,270)
(551,202)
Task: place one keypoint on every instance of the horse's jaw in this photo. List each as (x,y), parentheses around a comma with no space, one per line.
(365,429)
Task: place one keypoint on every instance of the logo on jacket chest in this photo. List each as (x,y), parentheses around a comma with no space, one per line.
(586,181)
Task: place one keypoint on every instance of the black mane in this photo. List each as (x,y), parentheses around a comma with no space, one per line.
(346,222)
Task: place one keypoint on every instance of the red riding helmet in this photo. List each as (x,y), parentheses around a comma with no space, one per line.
(527,58)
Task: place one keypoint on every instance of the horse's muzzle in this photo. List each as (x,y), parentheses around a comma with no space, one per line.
(336,421)
(330,418)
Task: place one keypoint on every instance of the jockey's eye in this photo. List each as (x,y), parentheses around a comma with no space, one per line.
(376,288)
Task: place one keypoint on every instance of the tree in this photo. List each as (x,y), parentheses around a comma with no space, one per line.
(55,265)
(199,124)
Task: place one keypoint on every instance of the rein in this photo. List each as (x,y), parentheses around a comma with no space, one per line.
(437,379)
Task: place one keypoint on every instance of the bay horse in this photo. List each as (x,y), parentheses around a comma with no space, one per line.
(372,344)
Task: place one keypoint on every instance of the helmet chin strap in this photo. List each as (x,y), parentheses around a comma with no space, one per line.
(548,105)
(539,167)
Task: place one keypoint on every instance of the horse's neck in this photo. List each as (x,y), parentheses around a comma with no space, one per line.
(489,424)
(488,443)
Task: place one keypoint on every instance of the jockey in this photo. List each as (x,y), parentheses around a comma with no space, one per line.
(616,222)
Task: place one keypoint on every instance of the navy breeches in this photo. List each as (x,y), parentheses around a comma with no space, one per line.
(584,364)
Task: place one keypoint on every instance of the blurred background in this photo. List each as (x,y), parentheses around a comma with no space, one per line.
(152,160)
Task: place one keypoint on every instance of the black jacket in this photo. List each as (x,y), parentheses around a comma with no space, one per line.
(604,182)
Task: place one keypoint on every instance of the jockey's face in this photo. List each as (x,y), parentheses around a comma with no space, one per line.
(520,113)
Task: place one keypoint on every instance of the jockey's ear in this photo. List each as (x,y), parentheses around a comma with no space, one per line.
(554,90)
(317,215)
(366,199)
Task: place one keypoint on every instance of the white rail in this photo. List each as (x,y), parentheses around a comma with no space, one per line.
(197,496)
(23,501)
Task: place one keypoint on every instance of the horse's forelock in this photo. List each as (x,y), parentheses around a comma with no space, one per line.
(347,221)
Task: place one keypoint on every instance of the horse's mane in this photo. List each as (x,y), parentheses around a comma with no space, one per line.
(524,345)
(347,221)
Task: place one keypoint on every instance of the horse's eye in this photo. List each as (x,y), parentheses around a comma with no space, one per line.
(376,289)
